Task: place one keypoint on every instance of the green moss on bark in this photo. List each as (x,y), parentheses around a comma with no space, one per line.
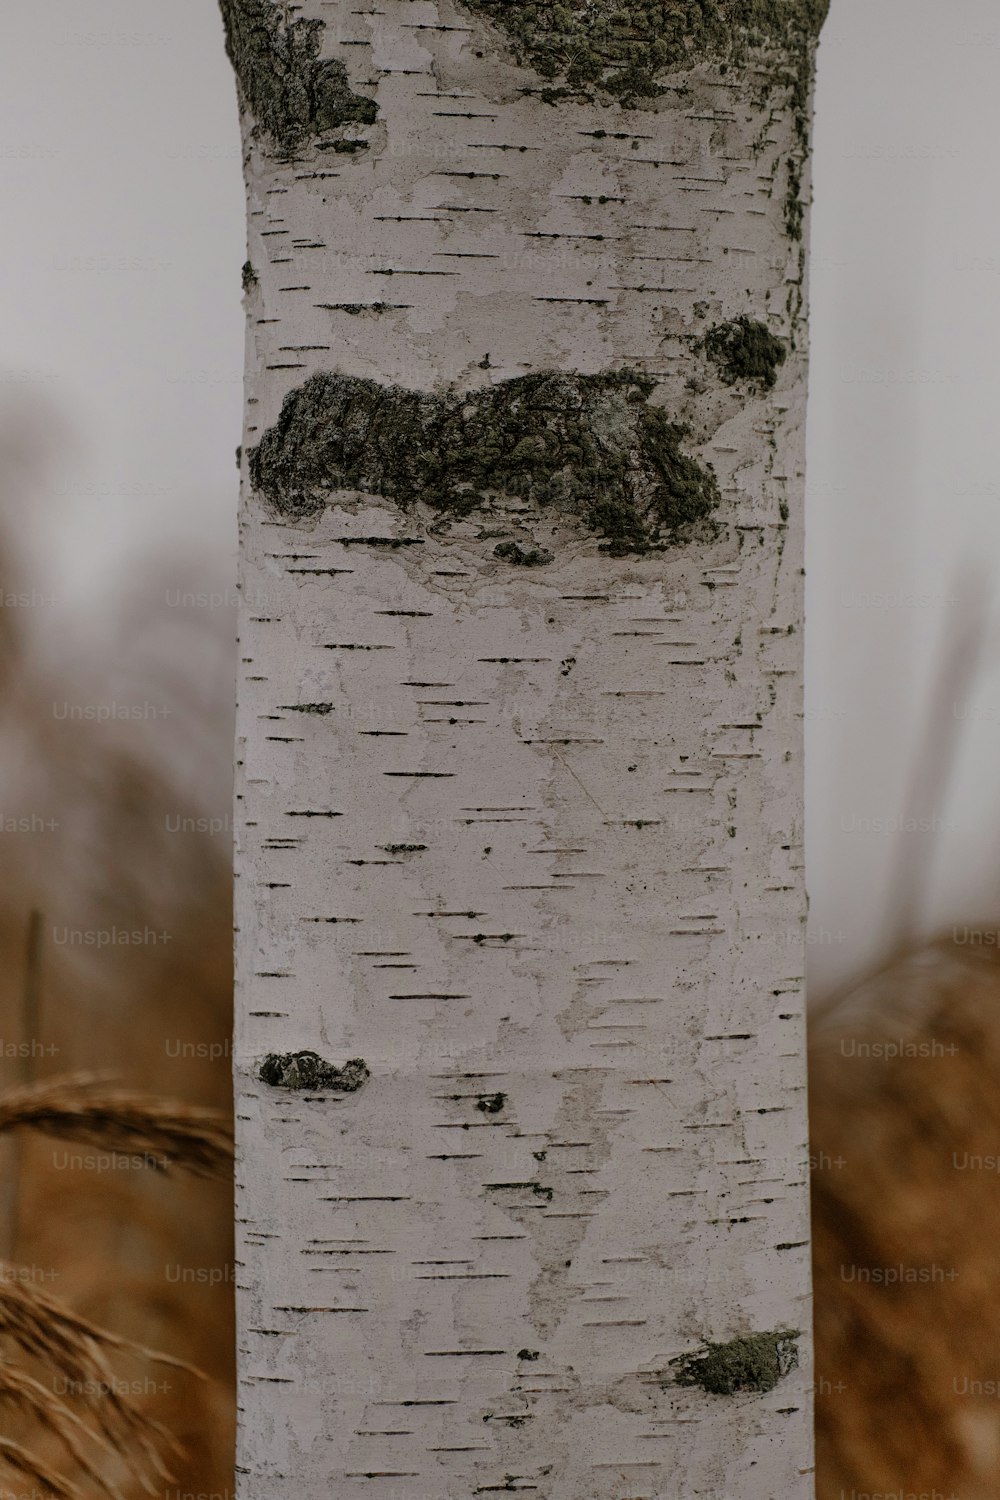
(754,1362)
(623,47)
(293,94)
(587,447)
(745,351)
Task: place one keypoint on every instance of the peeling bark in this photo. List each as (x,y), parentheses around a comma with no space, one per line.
(519,801)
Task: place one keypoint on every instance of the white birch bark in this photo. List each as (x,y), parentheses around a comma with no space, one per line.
(525,839)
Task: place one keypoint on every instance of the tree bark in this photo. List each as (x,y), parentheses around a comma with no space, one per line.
(519,805)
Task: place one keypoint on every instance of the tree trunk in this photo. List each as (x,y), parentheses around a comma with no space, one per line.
(520,750)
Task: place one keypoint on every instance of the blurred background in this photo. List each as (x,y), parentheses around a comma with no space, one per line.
(120,408)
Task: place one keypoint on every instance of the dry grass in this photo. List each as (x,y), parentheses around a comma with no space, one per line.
(904,1102)
(20,1391)
(70,1349)
(83,1107)
(90,1283)
(27,1466)
(80,1426)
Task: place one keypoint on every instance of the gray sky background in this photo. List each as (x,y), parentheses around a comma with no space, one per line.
(121,350)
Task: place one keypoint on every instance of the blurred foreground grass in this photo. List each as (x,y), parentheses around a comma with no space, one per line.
(115,940)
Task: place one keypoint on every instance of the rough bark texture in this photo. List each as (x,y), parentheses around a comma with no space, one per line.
(520,807)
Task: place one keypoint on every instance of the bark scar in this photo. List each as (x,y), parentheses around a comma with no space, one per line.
(753,1362)
(622,48)
(590,448)
(307,1070)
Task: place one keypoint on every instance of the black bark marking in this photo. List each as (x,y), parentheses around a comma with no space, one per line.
(307,1070)
(586,447)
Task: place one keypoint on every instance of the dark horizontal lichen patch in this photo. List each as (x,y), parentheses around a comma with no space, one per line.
(293,94)
(307,1070)
(745,350)
(586,447)
(753,1362)
(622,47)
(523,557)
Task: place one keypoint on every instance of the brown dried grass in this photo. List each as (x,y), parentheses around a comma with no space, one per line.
(84,1107)
(40,1474)
(73,1351)
(21,1391)
(108,857)
(68,1347)
(904,1091)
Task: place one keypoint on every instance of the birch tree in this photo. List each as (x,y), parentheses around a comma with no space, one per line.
(523,1177)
